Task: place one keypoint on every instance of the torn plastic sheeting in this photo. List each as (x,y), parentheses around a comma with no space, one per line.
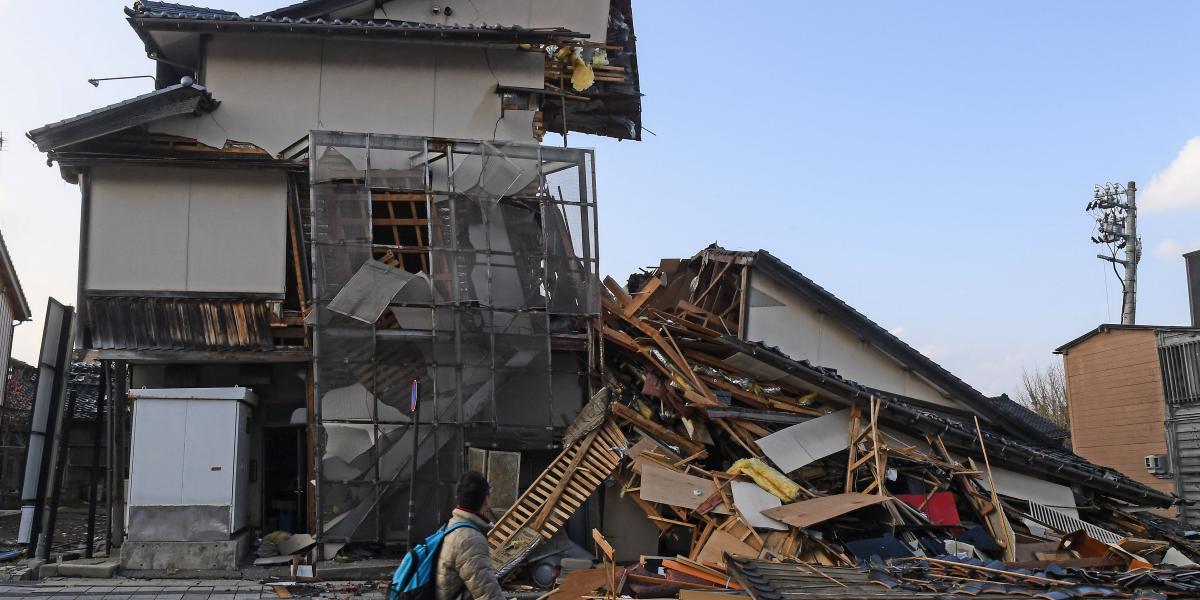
(488,174)
(805,443)
(354,403)
(369,291)
(347,450)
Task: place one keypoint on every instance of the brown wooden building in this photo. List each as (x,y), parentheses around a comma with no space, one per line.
(1131,391)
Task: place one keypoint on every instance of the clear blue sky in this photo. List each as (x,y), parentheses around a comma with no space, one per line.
(926,161)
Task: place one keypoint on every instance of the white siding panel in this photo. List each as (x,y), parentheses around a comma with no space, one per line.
(273,91)
(784,319)
(6,336)
(137,230)
(195,230)
(237,231)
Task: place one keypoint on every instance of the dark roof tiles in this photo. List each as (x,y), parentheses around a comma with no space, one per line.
(181,10)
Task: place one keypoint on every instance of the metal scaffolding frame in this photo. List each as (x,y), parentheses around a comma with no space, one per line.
(475,335)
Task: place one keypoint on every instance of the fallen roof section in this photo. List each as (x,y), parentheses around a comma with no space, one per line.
(179,99)
(959,434)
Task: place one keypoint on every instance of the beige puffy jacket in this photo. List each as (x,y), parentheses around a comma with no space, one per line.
(464,560)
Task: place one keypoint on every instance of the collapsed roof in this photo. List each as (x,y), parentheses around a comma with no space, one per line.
(1021,422)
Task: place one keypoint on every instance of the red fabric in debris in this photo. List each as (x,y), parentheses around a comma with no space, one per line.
(940,509)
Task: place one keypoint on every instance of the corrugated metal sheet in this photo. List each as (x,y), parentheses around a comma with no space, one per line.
(1179,356)
(1185,458)
(6,335)
(125,323)
(1064,523)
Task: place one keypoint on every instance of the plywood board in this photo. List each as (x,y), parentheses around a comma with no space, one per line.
(807,513)
(802,444)
(660,484)
(720,542)
(751,501)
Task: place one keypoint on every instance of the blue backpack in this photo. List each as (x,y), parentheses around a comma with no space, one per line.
(414,578)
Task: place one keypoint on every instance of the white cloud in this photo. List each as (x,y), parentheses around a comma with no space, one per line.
(1176,187)
(1171,250)
(897,331)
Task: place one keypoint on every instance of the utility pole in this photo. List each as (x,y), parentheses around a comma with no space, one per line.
(1115,210)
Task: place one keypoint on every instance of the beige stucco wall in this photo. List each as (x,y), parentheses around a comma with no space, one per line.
(1115,397)
(801,332)
(193,230)
(274,90)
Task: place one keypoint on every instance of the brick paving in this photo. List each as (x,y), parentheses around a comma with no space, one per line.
(118,589)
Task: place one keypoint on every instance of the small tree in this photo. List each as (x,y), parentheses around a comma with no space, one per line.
(1044,391)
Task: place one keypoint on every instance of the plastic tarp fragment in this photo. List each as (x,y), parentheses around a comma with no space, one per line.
(369,291)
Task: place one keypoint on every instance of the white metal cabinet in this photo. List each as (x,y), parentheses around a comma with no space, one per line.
(189,463)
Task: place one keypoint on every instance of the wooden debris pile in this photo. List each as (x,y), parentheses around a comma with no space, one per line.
(730,458)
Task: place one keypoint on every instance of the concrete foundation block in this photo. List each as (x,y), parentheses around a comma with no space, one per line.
(171,557)
(96,568)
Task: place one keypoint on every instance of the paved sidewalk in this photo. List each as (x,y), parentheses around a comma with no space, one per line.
(170,589)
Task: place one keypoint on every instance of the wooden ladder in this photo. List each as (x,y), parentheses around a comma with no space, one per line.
(562,488)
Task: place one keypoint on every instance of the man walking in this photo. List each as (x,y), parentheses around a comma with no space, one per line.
(464,560)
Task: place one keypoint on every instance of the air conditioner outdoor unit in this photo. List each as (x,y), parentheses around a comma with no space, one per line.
(1156,464)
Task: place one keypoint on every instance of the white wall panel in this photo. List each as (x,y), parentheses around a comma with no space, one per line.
(274,90)
(782,318)
(137,230)
(194,230)
(6,335)
(210,439)
(160,430)
(237,231)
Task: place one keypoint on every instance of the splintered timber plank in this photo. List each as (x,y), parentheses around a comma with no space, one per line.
(563,487)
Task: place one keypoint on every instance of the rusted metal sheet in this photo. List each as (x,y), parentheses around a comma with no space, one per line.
(141,323)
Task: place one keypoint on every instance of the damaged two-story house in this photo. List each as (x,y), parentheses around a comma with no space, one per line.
(327,220)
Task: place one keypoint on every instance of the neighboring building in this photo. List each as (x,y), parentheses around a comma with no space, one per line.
(83,383)
(13,308)
(1130,390)
(229,223)
(758,297)
(1134,397)
(20,386)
